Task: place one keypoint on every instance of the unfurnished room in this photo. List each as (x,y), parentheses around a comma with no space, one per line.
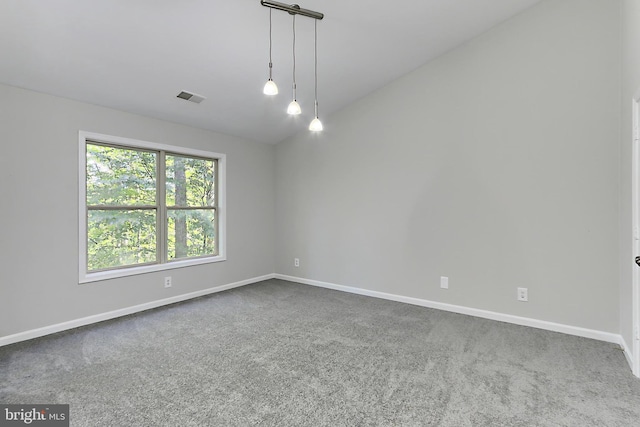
(324,213)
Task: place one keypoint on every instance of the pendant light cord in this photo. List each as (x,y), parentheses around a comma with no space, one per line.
(270,61)
(315,30)
(294,57)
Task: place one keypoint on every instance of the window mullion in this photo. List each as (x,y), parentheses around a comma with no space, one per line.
(161,198)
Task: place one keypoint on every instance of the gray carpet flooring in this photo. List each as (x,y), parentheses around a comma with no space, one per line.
(282,354)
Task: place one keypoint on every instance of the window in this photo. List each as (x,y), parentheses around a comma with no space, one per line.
(147,207)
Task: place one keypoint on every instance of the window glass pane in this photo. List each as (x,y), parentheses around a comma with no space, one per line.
(191,233)
(190,181)
(120,238)
(120,176)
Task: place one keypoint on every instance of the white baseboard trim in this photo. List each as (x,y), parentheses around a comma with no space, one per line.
(523,321)
(627,351)
(508,318)
(35,333)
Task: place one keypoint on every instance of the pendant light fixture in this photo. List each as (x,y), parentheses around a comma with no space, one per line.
(316,124)
(294,108)
(270,88)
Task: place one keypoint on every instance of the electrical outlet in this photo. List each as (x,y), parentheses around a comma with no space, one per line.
(167,282)
(444,282)
(523,294)
(296,262)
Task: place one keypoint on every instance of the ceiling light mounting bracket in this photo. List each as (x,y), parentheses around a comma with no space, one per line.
(296,7)
(293,9)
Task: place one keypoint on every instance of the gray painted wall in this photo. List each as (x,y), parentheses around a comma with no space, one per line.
(630,84)
(39,215)
(496,165)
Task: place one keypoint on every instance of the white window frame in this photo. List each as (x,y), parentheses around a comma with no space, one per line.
(88,137)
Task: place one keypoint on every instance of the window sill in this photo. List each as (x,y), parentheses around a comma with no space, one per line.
(133,271)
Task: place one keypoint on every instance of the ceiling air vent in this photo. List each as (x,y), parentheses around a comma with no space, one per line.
(188,96)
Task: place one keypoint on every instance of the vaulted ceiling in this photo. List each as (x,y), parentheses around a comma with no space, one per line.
(137,55)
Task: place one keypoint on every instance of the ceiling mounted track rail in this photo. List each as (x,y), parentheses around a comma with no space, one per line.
(293,9)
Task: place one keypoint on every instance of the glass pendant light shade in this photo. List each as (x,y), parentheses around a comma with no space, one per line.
(316,125)
(270,88)
(294,108)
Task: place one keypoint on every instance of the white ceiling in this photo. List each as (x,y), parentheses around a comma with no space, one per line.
(137,55)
